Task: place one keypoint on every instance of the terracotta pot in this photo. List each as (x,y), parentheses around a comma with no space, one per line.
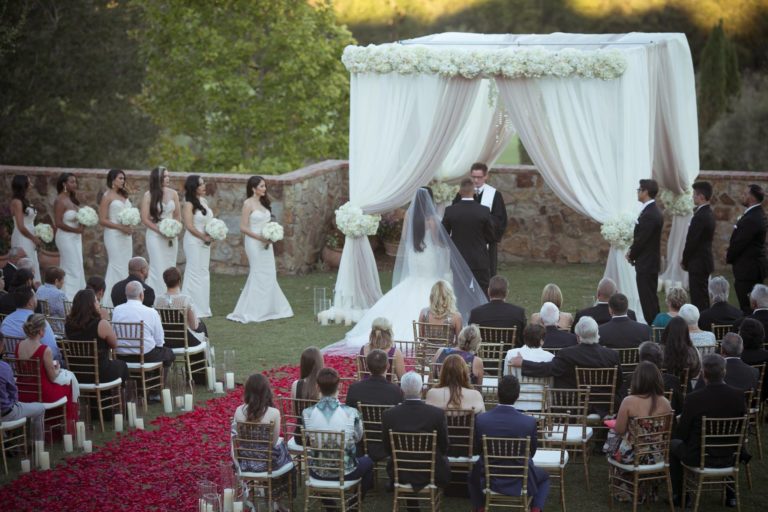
(331,257)
(48,259)
(391,248)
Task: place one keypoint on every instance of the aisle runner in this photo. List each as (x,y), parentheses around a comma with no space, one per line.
(146,470)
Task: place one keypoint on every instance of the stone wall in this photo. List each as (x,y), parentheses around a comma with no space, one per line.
(541,228)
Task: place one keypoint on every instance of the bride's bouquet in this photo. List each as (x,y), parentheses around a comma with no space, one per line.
(273,232)
(216,229)
(87,216)
(129,216)
(44,232)
(169,228)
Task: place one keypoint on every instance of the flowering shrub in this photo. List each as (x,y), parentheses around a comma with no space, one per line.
(391,227)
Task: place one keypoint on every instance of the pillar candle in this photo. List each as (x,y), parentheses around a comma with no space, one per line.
(237,506)
(80,431)
(179,400)
(131,410)
(167,403)
(229,499)
(68,443)
(210,373)
(118,422)
(230,380)
(219,387)
(26,467)
(87,446)
(139,423)
(39,448)
(188,402)
(45,461)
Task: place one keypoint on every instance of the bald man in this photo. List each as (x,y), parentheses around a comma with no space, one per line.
(138,270)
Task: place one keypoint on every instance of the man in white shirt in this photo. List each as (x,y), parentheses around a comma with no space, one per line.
(154,337)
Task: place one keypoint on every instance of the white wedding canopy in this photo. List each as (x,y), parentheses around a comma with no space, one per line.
(596,113)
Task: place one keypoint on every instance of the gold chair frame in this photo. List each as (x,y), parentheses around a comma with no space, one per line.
(131,335)
(324,451)
(10,441)
(573,404)
(177,338)
(552,445)
(415,453)
(506,457)
(31,371)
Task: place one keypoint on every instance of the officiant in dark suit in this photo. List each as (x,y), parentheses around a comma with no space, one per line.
(645,252)
(471,229)
(746,250)
(697,254)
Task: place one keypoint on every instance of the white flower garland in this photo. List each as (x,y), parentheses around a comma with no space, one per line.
(353,222)
(677,204)
(619,230)
(87,216)
(44,232)
(511,62)
(443,192)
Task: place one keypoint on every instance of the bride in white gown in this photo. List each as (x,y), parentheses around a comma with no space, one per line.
(159,202)
(118,238)
(425,256)
(261,299)
(69,234)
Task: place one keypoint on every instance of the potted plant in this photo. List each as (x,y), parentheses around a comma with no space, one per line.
(390,229)
(334,245)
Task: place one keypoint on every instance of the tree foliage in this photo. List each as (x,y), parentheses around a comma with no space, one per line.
(245,86)
(718,77)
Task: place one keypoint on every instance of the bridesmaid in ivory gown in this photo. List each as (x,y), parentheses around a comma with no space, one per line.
(24,222)
(197,245)
(159,202)
(118,239)
(69,234)
(261,299)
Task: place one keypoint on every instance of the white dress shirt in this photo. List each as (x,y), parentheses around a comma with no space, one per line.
(135,311)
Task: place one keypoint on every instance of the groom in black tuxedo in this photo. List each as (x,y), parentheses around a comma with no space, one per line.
(645,252)
(471,229)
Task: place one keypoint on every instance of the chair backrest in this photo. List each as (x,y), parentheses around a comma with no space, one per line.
(656,334)
(440,335)
(602,384)
(324,453)
(573,402)
(532,392)
(67,307)
(552,350)
(82,359)
(507,336)
(28,378)
(413,455)
(651,437)
(45,308)
(720,330)
(552,431)
(363,372)
(761,378)
(721,439)
(253,444)
(174,327)
(490,395)
(371,415)
(629,358)
(130,335)
(706,350)
(290,413)
(506,458)
(492,355)
(9,345)
(57,325)
(461,432)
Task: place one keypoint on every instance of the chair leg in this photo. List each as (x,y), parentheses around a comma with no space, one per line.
(562,489)
(668,479)
(697,500)
(585,457)
(100,408)
(635,490)
(759,439)
(610,487)
(736,492)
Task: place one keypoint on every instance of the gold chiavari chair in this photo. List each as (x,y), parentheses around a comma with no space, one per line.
(505,458)
(573,403)
(755,411)
(461,446)
(292,424)
(505,335)
(177,338)
(324,456)
(13,437)
(629,358)
(492,355)
(29,383)
(415,454)
(130,336)
(373,434)
(552,453)
(602,395)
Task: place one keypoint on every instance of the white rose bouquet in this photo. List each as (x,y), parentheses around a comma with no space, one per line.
(620,230)
(217,229)
(678,205)
(353,222)
(87,216)
(44,232)
(169,228)
(129,216)
(273,232)
(443,192)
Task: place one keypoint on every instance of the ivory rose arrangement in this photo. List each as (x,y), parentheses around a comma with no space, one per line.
(129,216)
(353,222)
(44,232)
(443,192)
(217,229)
(677,204)
(273,232)
(169,228)
(619,230)
(511,62)
(87,216)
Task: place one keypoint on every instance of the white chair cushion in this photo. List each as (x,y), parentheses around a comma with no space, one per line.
(263,474)
(573,434)
(594,418)
(642,468)
(9,425)
(463,460)
(146,366)
(491,381)
(196,349)
(293,446)
(409,487)
(331,484)
(712,471)
(58,403)
(102,385)
(549,459)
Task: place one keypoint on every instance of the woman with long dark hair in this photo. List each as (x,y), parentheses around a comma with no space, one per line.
(24,221)
(160,202)
(69,234)
(197,245)
(261,299)
(118,238)
(679,352)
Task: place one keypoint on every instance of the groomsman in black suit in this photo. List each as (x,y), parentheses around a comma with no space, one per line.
(746,251)
(645,252)
(471,229)
(697,254)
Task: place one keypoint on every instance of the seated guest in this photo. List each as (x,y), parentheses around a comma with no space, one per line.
(381,339)
(587,354)
(51,291)
(28,264)
(468,344)
(86,323)
(154,338)
(414,416)
(533,339)
(651,352)
(453,390)
(506,421)
(10,407)
(751,334)
(676,297)
(552,293)
(13,325)
(621,331)
(99,287)
(442,309)
(716,400)
(55,382)
(606,288)
(554,337)
(138,270)
(738,374)
(309,367)
(22,279)
(330,415)
(174,299)
(10,268)
(498,312)
(720,312)
(758,300)
(375,390)
(679,352)
(702,340)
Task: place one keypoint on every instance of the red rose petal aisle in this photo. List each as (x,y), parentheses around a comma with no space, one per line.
(145,470)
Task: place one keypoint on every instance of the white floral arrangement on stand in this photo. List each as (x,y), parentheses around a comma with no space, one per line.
(129,216)
(443,192)
(217,229)
(87,216)
(353,222)
(619,230)
(510,62)
(677,204)
(169,228)
(273,232)
(44,232)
